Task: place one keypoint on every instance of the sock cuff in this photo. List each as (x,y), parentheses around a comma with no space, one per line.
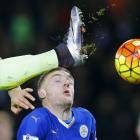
(64,56)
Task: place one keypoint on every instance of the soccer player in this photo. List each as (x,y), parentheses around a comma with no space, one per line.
(57,119)
(17,70)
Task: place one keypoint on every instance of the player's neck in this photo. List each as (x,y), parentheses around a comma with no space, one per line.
(60,112)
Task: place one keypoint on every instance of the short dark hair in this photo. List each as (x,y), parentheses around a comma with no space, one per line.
(43,76)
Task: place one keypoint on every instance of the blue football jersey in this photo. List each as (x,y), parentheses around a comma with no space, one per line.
(41,124)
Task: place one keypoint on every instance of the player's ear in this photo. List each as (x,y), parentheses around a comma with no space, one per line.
(42,93)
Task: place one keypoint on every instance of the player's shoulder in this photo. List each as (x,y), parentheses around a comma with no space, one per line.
(39,121)
(38,111)
(80,110)
(37,114)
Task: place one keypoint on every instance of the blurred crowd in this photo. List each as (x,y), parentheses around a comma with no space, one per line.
(33,26)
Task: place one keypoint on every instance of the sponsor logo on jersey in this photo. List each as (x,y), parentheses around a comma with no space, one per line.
(29,137)
(83,131)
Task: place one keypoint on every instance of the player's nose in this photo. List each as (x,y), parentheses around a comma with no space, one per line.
(66,83)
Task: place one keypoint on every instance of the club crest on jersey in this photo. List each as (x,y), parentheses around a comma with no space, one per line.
(83,131)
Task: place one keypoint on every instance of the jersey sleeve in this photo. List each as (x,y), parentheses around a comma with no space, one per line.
(31,128)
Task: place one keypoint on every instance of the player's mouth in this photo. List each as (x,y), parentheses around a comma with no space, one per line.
(67,93)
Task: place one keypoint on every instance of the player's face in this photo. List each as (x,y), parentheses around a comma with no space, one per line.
(60,88)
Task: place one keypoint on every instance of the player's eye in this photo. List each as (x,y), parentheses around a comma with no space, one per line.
(57,80)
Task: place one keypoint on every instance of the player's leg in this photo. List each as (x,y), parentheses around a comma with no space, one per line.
(16,70)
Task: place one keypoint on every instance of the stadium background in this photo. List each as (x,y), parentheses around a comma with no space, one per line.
(35,26)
